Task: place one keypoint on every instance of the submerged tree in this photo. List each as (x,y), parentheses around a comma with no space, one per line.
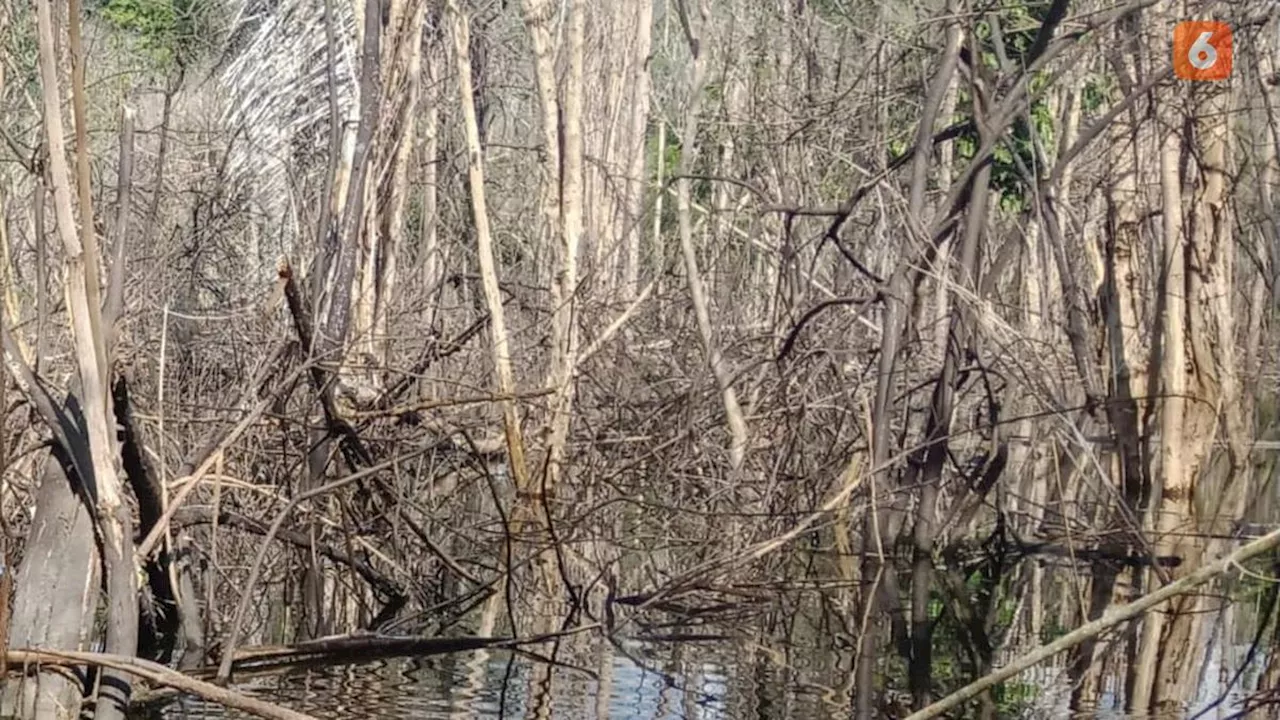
(938,325)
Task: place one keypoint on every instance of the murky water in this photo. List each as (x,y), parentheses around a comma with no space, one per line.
(697,682)
(708,683)
(802,669)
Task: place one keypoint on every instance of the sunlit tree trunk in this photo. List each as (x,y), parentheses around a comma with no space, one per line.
(634,149)
(1195,364)
(99,473)
(538,15)
(1124,311)
(1197,380)
(433,252)
(604,135)
(500,342)
(564,286)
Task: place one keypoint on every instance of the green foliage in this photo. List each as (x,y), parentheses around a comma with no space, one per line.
(1096,92)
(1019,23)
(1013,697)
(953,644)
(1014,153)
(154,20)
(167,32)
(672,156)
(935,607)
(897,148)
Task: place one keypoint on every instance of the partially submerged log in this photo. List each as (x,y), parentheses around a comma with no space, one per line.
(353,648)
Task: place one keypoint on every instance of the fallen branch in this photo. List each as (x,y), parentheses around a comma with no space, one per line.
(157,675)
(349,649)
(363,647)
(1111,618)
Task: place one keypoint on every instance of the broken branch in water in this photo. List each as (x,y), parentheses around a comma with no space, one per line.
(156,674)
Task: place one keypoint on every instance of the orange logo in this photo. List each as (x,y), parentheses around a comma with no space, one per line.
(1202,50)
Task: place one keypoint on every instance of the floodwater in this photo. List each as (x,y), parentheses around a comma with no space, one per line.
(801,669)
(711,684)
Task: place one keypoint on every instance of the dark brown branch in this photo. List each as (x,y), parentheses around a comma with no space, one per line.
(1052,19)
(157,641)
(814,312)
(434,353)
(389,590)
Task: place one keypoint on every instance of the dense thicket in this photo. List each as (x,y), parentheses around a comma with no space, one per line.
(440,318)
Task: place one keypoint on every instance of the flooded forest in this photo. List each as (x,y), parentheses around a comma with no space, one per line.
(639,359)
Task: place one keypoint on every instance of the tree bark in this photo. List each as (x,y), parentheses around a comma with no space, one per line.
(484,248)
(100,475)
(564,285)
(734,417)
(880,534)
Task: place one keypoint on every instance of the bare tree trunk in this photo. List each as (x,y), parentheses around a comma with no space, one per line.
(564,286)
(1124,310)
(639,116)
(337,183)
(1196,363)
(331,333)
(114,308)
(100,475)
(684,212)
(941,265)
(484,249)
(402,58)
(432,253)
(880,534)
(537,18)
(938,427)
(56,591)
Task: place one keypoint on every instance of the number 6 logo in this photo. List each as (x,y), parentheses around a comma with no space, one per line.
(1202,50)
